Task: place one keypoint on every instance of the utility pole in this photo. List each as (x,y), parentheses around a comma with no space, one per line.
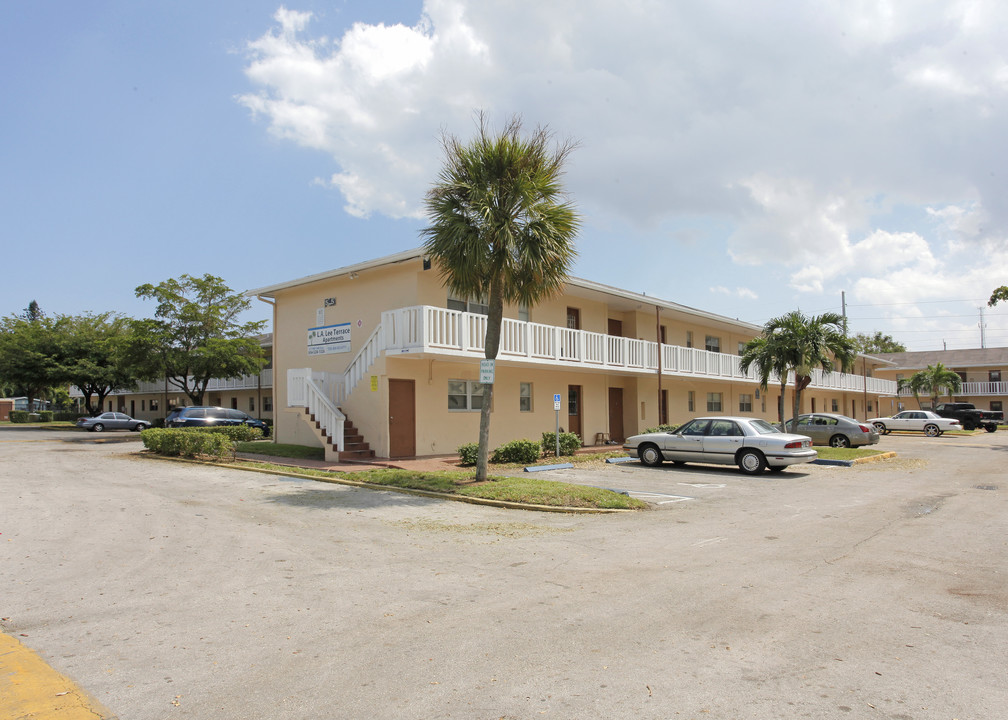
(843,310)
(983,328)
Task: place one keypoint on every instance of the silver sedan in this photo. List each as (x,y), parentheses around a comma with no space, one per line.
(112,421)
(835,430)
(752,444)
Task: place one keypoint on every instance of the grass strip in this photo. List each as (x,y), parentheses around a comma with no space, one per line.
(832,453)
(265,447)
(528,491)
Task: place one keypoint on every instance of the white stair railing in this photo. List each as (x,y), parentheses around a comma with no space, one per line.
(304,391)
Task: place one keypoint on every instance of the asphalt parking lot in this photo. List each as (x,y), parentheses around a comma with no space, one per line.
(178,590)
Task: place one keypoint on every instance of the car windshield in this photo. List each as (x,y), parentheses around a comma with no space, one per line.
(763,427)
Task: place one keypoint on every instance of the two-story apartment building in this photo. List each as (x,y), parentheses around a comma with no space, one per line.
(984,373)
(382,343)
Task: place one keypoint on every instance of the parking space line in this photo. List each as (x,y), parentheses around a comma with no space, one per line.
(671,498)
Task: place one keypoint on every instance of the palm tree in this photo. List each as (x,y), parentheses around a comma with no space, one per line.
(936,380)
(800,344)
(764,354)
(501,228)
(915,384)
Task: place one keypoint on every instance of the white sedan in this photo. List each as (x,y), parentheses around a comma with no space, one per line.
(752,444)
(931,424)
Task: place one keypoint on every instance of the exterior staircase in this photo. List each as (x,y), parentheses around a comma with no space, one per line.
(354,446)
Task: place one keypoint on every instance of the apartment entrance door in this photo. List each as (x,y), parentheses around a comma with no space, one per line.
(402,418)
(616,414)
(574,410)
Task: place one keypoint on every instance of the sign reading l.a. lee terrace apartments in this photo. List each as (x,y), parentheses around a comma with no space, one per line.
(329,339)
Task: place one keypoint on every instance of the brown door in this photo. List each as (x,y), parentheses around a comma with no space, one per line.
(402,419)
(616,414)
(615,328)
(573,318)
(574,410)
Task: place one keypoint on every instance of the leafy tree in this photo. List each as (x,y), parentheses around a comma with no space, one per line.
(196,334)
(801,344)
(92,352)
(27,364)
(998,295)
(877,343)
(935,380)
(501,228)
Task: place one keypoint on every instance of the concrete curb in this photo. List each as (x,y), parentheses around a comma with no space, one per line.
(406,491)
(855,461)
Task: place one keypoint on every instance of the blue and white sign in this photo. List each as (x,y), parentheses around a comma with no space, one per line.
(556,401)
(329,339)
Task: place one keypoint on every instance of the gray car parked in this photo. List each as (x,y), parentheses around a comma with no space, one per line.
(835,430)
(112,421)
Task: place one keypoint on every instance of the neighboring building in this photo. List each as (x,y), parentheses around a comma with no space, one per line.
(384,343)
(152,400)
(984,373)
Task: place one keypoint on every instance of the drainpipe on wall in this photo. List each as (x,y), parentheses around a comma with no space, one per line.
(661,410)
(273,362)
(864,378)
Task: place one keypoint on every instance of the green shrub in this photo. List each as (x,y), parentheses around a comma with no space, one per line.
(517,451)
(237,433)
(19,416)
(45,416)
(157,422)
(181,442)
(66,415)
(660,428)
(469,453)
(569,443)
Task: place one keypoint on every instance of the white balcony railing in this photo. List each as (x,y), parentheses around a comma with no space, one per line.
(427,329)
(973,389)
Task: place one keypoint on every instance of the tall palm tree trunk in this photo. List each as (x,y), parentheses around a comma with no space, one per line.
(495,318)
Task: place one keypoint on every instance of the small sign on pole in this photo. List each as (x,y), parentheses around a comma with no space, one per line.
(486,372)
(556,434)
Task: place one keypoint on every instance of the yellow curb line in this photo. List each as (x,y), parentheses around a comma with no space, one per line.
(31,689)
(408,491)
(874,458)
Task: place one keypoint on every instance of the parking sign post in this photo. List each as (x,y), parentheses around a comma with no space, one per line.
(556,435)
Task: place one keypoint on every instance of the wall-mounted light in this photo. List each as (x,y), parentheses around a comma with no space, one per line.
(426,263)
(354,276)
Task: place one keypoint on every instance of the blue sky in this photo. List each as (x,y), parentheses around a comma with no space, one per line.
(744,160)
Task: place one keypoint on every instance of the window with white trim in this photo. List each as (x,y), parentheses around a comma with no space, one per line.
(741,348)
(465,395)
(712,343)
(835,405)
(744,402)
(525,397)
(689,338)
(690,401)
(713,402)
(523,313)
(474,306)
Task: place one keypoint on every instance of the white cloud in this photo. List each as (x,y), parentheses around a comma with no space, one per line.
(846,145)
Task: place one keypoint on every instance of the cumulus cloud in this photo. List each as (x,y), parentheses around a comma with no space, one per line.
(852,144)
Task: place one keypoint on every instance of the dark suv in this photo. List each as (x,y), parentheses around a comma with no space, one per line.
(211,416)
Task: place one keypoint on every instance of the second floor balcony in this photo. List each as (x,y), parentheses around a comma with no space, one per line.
(428,330)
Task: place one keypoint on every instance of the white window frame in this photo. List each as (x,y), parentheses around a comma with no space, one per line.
(690,401)
(715,401)
(525,397)
(712,343)
(473,390)
(745,402)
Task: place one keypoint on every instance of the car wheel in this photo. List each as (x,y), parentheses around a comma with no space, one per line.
(881,429)
(138,427)
(650,455)
(751,462)
(839,441)
(990,428)
(97,427)
(932,430)
(969,425)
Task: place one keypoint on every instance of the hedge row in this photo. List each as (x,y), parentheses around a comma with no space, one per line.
(183,442)
(237,433)
(523,451)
